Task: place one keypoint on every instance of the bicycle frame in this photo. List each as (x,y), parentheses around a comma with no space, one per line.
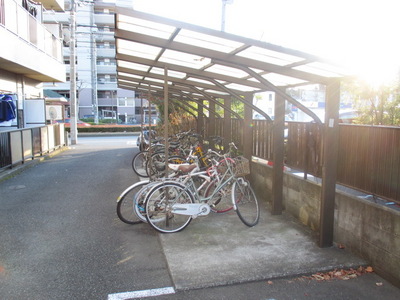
(201,208)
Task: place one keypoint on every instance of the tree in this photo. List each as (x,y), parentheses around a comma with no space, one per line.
(377,105)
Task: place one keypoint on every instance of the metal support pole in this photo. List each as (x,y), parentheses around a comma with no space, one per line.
(329,166)
(74,127)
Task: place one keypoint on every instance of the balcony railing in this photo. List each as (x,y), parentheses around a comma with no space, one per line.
(26,26)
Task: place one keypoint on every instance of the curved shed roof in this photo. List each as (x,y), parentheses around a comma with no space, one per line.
(206,61)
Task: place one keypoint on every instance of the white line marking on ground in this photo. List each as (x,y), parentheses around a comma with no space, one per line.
(142,294)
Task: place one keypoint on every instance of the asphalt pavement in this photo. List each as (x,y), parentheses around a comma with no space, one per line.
(218,257)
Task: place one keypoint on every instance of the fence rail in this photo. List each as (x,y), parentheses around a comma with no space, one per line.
(20,145)
(368,158)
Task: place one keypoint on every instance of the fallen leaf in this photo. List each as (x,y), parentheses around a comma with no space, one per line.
(270,282)
(369,269)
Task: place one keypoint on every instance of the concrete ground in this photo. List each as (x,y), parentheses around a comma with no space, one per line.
(219,250)
(276,247)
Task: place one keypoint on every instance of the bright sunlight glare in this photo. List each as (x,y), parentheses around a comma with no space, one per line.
(360,35)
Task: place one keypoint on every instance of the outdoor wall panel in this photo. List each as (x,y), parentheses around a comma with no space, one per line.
(27,144)
(16,150)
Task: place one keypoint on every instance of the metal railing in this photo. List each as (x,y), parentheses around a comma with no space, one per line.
(20,145)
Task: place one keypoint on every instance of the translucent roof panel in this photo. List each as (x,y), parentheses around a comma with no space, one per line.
(184,59)
(240,87)
(269,56)
(223,70)
(138,49)
(175,74)
(195,54)
(199,80)
(129,75)
(144,27)
(282,80)
(132,66)
(207,41)
(322,69)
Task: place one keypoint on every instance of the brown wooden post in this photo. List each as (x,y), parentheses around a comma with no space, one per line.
(211,123)
(278,150)
(247,127)
(329,163)
(200,117)
(227,124)
(278,155)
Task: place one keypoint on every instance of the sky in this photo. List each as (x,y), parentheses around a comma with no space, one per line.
(359,34)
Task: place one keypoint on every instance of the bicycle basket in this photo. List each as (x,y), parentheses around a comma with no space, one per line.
(241,166)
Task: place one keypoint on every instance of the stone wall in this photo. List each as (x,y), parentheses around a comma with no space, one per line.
(365,228)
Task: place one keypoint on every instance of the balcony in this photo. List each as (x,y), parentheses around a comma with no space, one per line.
(104,19)
(106,69)
(57,5)
(30,47)
(105,52)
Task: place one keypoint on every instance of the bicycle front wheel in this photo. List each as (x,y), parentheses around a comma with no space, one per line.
(159,207)
(222,200)
(139,162)
(245,202)
(126,201)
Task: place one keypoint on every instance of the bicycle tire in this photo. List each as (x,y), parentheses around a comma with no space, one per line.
(159,209)
(139,164)
(222,201)
(140,200)
(245,202)
(125,204)
(156,164)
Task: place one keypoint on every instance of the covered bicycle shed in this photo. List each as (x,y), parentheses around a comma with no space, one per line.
(184,63)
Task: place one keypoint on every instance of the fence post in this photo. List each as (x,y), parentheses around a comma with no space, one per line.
(329,163)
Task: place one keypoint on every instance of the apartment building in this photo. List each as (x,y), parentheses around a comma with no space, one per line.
(31,54)
(97,93)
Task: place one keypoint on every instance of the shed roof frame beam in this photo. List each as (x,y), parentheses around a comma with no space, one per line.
(178,103)
(202,52)
(171,79)
(208,97)
(134,86)
(177,68)
(201,104)
(158,76)
(274,88)
(237,96)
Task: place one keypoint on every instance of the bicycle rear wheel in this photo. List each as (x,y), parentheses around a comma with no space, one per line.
(245,202)
(125,204)
(159,204)
(139,163)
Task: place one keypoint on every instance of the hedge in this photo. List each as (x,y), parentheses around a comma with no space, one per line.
(107,129)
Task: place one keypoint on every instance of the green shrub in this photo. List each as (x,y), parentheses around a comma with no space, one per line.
(106,129)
